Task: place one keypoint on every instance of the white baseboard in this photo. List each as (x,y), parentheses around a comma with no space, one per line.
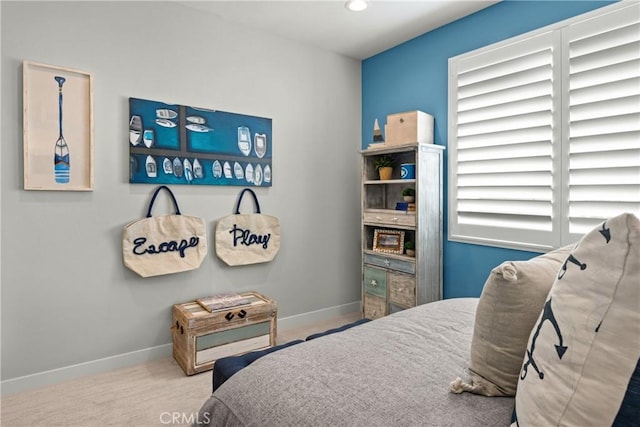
(68,373)
(317,316)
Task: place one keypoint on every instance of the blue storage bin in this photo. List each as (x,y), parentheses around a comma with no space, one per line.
(408,171)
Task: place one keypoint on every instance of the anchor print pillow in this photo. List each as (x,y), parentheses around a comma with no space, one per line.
(581,365)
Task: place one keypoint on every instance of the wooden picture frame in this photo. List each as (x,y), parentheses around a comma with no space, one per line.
(57,128)
(388,241)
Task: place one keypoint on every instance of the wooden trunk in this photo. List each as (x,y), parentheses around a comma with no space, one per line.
(200,337)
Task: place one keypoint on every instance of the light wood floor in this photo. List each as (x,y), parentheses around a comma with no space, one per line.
(155,393)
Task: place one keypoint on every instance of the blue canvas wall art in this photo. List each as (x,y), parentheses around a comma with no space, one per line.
(176,144)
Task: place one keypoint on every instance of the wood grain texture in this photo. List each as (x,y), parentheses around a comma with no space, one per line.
(191,320)
(410,281)
(374,307)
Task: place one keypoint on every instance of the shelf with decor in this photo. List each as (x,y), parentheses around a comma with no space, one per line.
(393,280)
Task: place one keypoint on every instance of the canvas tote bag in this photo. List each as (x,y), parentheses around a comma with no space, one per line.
(164,244)
(243,239)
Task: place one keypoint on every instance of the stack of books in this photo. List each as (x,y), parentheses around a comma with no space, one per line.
(404,206)
(221,301)
(374,145)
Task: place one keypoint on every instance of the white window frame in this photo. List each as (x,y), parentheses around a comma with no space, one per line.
(556,219)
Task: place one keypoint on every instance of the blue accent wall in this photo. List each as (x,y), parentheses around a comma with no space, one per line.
(413,76)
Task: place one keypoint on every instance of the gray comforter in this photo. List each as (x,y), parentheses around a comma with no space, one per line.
(394,371)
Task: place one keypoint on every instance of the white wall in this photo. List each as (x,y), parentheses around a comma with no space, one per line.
(67,300)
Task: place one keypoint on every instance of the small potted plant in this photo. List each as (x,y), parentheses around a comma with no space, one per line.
(384,164)
(410,248)
(408,194)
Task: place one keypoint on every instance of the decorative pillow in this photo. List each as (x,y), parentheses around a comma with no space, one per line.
(585,346)
(509,305)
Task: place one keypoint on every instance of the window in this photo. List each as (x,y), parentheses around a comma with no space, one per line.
(544,132)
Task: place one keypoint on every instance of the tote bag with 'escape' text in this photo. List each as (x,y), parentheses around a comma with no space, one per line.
(165,244)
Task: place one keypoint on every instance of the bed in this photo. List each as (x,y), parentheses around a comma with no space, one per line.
(392,371)
(560,332)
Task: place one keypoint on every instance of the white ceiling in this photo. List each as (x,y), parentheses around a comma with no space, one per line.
(329,25)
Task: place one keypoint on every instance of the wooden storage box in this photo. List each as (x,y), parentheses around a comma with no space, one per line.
(200,337)
(409,127)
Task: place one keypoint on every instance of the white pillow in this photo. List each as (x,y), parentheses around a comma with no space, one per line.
(581,365)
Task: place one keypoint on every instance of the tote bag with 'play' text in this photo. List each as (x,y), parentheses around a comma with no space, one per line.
(165,244)
(243,239)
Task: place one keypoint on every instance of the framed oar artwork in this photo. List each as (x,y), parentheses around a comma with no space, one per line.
(57,128)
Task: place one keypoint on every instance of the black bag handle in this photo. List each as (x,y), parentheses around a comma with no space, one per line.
(255,199)
(155,194)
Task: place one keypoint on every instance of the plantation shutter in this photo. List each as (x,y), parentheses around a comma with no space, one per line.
(603,119)
(504,162)
(544,132)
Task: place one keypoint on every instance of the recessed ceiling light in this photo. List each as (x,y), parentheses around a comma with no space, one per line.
(356,5)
